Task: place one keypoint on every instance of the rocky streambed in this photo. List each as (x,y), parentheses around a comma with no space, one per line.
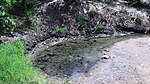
(92,62)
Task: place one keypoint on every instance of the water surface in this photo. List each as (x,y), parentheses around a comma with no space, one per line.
(69,59)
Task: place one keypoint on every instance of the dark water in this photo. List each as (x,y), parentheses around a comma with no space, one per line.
(69,59)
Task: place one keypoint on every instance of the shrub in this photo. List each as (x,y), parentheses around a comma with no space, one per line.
(99,27)
(6,21)
(80,18)
(88,30)
(60,30)
(7,8)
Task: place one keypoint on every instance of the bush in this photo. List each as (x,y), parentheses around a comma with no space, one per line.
(80,18)
(15,67)
(8,8)
(6,21)
(61,30)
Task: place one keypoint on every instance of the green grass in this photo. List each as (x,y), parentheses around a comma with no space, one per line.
(15,67)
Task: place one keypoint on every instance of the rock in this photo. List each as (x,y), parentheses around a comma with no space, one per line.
(92,8)
(105,57)
(85,11)
(106,50)
(147,30)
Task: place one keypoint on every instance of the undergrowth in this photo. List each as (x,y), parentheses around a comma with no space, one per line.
(15,67)
(13,12)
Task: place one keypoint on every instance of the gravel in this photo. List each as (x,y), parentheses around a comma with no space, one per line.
(129,63)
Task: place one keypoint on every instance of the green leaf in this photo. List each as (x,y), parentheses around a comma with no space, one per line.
(99,26)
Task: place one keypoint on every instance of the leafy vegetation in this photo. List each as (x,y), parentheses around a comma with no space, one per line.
(133,2)
(60,30)
(80,18)
(66,81)
(140,3)
(88,30)
(137,17)
(15,67)
(99,27)
(7,8)
(6,21)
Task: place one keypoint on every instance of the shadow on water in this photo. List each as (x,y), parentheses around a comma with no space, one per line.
(69,59)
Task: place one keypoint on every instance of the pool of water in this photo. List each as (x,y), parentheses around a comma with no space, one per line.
(70,59)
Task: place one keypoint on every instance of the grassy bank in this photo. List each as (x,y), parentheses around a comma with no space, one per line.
(15,67)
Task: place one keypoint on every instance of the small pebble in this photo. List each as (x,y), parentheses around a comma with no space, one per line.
(106,50)
(105,57)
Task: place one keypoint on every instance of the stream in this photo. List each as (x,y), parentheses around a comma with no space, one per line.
(70,59)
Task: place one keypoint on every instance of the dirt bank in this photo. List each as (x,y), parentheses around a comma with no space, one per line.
(87,19)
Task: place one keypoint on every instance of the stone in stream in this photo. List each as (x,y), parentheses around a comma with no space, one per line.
(105,57)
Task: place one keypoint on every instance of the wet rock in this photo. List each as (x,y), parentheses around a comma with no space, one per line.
(105,57)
